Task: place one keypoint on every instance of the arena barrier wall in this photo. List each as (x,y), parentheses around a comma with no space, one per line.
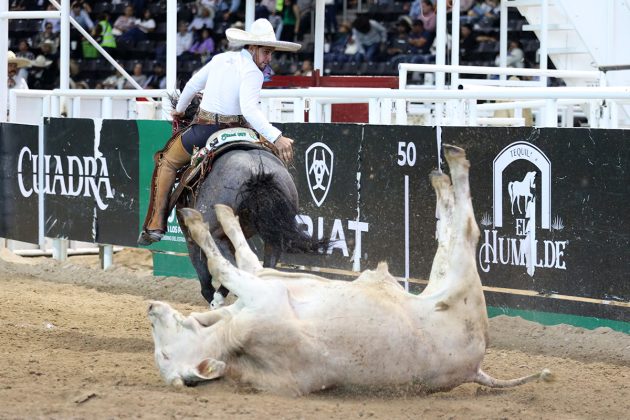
(18,201)
(366,187)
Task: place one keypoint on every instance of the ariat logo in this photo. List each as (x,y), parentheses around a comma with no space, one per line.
(521,211)
(319,170)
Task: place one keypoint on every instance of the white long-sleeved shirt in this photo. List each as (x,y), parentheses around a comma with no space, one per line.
(231,84)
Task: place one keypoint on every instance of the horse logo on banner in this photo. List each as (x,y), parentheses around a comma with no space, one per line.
(518,189)
(319,169)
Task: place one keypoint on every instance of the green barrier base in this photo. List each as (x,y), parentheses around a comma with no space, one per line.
(550,318)
(173,265)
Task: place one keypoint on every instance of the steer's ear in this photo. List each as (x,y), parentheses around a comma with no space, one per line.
(210,369)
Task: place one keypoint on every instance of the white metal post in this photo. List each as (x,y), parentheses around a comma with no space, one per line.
(4,46)
(318,61)
(544,40)
(503,37)
(171,45)
(106,256)
(455,25)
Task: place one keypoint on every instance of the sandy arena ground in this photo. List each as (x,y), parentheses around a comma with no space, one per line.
(76,343)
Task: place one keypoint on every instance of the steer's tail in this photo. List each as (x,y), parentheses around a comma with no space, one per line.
(483,378)
(272,214)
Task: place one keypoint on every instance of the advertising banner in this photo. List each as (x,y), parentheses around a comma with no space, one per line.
(153,136)
(19,190)
(550,205)
(325,170)
(91,178)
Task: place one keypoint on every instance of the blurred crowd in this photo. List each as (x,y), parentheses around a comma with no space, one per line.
(134,33)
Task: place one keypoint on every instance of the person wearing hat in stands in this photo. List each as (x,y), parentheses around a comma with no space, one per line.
(231,84)
(42,76)
(400,43)
(15,80)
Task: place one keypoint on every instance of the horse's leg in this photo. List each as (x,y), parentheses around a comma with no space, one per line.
(271,255)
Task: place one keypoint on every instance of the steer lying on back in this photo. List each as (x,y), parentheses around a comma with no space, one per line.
(298,333)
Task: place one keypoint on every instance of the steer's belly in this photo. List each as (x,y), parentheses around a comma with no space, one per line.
(373,336)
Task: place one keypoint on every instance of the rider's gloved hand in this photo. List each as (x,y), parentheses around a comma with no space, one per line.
(177,115)
(285,148)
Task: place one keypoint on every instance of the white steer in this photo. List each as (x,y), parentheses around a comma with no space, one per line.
(298,333)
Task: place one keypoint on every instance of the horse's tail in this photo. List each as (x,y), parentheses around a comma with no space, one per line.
(265,207)
(511,191)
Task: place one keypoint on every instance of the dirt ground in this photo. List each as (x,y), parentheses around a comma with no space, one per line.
(76,343)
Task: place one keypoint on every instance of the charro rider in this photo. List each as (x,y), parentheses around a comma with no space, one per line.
(231,84)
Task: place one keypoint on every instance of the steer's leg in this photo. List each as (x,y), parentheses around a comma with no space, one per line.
(251,290)
(461,275)
(444,212)
(245,257)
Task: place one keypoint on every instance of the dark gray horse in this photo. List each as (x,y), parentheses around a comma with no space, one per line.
(256,184)
(258,187)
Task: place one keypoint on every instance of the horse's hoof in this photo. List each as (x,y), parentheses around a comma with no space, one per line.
(148,237)
(217,301)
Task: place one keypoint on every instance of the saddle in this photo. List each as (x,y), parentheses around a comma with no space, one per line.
(191,176)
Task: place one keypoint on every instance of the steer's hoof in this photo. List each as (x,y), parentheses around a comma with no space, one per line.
(189,215)
(439,179)
(454,151)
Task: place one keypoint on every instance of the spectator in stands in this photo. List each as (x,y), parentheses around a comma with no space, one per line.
(103,33)
(48,49)
(141,28)
(203,48)
(261,11)
(419,39)
(467,43)
(399,44)
(370,37)
(20,5)
(14,64)
(184,38)
(276,22)
(81,15)
(24,50)
(203,18)
(231,84)
(226,10)
(56,22)
(138,75)
(306,69)
(423,10)
(305,8)
(157,79)
(125,22)
(483,15)
(338,45)
(290,21)
(515,55)
(46,33)
(114,81)
(42,76)
(330,16)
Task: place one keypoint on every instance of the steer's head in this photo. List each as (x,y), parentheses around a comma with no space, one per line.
(181,347)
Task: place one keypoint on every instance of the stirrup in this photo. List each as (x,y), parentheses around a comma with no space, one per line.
(147,237)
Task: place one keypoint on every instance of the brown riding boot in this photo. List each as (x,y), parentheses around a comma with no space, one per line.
(167,162)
